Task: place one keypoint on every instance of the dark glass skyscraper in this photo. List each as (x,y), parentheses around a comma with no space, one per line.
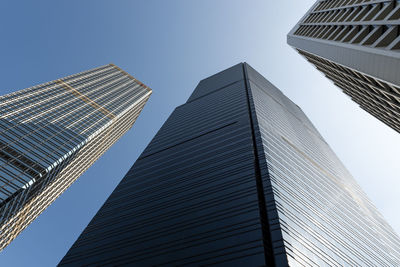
(237,176)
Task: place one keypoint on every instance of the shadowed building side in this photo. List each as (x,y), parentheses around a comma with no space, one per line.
(192,196)
(237,176)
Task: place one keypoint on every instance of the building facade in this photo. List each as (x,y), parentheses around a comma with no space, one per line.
(51,133)
(237,176)
(356,44)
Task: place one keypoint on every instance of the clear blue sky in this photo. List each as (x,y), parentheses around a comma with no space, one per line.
(171,45)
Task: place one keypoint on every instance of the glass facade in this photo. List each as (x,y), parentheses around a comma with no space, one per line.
(237,176)
(323,218)
(51,133)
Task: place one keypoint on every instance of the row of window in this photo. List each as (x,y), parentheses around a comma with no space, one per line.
(365,13)
(385,97)
(332,4)
(375,25)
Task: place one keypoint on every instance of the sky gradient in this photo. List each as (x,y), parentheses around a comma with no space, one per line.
(170,46)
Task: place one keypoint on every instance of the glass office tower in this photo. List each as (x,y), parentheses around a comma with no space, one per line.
(51,133)
(237,176)
(356,44)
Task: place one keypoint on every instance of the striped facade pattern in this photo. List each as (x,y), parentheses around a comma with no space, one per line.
(51,133)
(237,176)
(323,216)
(356,44)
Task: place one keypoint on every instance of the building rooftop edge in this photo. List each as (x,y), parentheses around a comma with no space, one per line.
(133,78)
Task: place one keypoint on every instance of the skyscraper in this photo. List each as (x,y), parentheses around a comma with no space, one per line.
(356,44)
(51,133)
(237,176)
